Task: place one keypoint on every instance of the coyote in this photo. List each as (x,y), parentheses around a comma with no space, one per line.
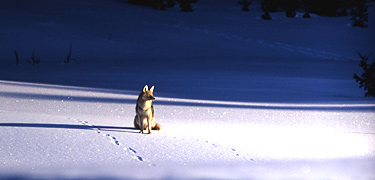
(144,118)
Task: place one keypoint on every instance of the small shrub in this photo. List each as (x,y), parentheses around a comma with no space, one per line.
(68,58)
(17,59)
(34,60)
(367,79)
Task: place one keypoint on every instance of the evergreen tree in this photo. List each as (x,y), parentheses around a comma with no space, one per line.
(185,5)
(367,79)
(290,7)
(170,3)
(266,9)
(307,4)
(245,4)
(158,4)
(325,7)
(360,14)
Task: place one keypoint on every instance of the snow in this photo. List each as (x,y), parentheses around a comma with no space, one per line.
(237,97)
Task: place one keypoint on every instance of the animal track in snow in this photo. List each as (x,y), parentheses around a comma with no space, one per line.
(232,149)
(214,145)
(113,140)
(83,123)
(287,47)
(179,24)
(133,154)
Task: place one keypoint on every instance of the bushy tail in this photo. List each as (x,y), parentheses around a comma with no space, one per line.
(157,127)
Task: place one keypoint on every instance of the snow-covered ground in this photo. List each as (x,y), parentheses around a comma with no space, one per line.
(238,97)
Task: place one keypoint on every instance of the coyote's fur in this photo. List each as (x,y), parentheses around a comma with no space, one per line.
(144,118)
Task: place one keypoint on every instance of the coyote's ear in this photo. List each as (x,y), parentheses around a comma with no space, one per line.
(152,89)
(145,88)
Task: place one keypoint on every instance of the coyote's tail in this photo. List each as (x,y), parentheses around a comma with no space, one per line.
(157,127)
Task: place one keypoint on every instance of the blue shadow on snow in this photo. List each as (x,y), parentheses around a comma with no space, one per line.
(122,100)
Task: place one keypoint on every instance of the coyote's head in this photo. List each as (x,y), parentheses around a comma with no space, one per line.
(147,94)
